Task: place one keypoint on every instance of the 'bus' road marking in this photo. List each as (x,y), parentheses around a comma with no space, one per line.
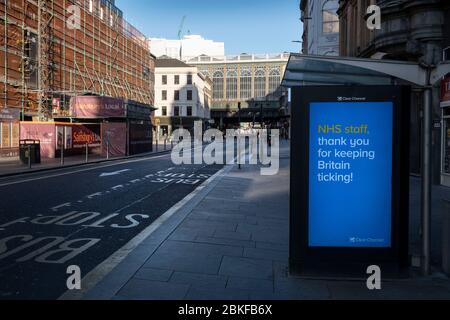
(104,268)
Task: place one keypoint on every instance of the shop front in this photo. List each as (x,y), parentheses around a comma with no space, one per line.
(104,126)
(9,132)
(126,127)
(445,109)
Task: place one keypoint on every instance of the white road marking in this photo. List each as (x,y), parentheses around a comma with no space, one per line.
(67,204)
(97,194)
(82,170)
(99,272)
(114,173)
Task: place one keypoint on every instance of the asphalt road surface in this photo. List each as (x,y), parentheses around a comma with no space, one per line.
(81,216)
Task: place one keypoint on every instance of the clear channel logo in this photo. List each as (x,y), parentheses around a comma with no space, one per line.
(365,240)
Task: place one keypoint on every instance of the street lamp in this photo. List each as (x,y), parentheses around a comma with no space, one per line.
(261,116)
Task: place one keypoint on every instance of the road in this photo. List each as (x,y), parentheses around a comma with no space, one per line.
(81,216)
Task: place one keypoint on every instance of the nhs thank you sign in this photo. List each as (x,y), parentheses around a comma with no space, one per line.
(349,177)
(350,161)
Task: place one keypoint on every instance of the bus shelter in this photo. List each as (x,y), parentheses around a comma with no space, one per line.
(310,70)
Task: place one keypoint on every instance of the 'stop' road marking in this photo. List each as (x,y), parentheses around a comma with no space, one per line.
(101,270)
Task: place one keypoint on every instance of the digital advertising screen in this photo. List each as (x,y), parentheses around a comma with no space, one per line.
(350,174)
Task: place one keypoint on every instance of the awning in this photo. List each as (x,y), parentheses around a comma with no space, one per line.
(303,70)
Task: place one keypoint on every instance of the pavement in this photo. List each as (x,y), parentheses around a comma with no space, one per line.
(229,240)
(14,166)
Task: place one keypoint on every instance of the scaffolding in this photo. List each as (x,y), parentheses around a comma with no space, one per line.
(44,62)
(45,57)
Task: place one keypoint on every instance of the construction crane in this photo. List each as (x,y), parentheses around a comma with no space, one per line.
(180,29)
(180,35)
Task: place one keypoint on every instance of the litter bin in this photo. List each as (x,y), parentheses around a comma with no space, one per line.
(30,151)
(446,237)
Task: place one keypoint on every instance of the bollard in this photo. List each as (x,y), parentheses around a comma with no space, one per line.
(156,144)
(107,149)
(446,237)
(62,155)
(165,144)
(87,153)
(29,157)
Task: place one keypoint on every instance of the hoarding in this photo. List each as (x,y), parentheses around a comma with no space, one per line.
(45,133)
(349,178)
(114,139)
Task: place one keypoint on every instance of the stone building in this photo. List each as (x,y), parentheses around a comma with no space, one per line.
(253,80)
(182,96)
(320,27)
(410,31)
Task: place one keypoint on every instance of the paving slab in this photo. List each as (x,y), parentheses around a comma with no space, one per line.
(232,244)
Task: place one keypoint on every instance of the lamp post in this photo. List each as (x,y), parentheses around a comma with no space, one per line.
(261,115)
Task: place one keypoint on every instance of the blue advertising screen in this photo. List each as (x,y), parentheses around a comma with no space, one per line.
(350,182)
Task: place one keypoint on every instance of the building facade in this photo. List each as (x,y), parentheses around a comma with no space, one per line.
(53,50)
(445,104)
(188,47)
(251,80)
(410,31)
(183,96)
(320,27)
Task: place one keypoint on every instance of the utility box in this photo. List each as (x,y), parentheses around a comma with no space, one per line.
(30,151)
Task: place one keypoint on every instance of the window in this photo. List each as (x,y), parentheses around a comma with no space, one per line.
(218,85)
(177,79)
(164,79)
(260,83)
(91,6)
(274,80)
(189,95)
(447,54)
(176,95)
(330,17)
(232,85)
(164,111)
(189,111)
(164,95)
(246,84)
(176,111)
(189,79)
(146,72)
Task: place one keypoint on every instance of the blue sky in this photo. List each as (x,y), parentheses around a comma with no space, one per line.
(253,26)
